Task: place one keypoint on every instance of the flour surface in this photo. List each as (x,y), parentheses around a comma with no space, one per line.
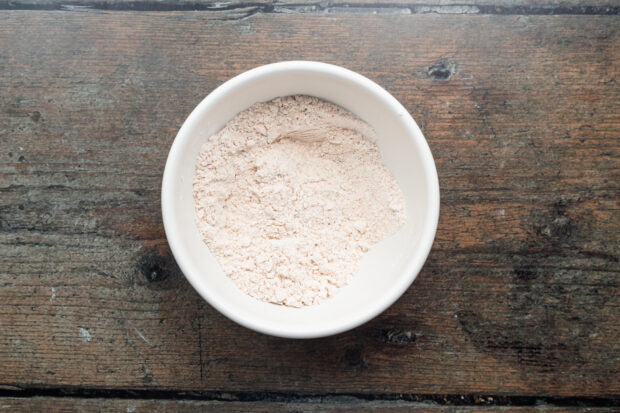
(289,219)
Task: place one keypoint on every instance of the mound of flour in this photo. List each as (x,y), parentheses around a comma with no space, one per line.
(290,219)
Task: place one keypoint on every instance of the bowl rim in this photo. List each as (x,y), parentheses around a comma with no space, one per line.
(414,262)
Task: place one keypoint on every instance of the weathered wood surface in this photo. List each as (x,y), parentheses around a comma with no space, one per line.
(425,6)
(241,9)
(520,293)
(103,405)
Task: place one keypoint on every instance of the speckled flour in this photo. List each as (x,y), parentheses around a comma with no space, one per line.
(288,219)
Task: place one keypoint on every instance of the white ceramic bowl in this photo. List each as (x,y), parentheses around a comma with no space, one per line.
(387,270)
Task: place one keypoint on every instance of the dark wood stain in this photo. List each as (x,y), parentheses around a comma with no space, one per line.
(156,265)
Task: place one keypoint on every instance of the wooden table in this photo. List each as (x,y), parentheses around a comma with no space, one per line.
(517,307)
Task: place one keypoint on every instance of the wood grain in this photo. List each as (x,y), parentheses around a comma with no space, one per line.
(519,295)
(433,6)
(240,9)
(103,405)
(57,405)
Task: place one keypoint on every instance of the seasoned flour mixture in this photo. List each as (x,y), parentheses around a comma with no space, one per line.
(289,217)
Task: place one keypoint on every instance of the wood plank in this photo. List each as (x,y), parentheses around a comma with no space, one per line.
(554,4)
(519,296)
(546,7)
(102,405)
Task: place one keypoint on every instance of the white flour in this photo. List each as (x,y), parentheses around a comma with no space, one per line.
(289,220)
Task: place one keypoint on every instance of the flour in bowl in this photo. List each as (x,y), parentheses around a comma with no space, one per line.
(289,215)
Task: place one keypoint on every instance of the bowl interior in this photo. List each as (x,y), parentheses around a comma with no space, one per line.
(388,268)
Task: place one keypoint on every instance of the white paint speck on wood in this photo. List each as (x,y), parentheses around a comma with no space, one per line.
(84,334)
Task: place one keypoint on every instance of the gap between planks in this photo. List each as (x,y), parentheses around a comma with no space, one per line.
(297,397)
